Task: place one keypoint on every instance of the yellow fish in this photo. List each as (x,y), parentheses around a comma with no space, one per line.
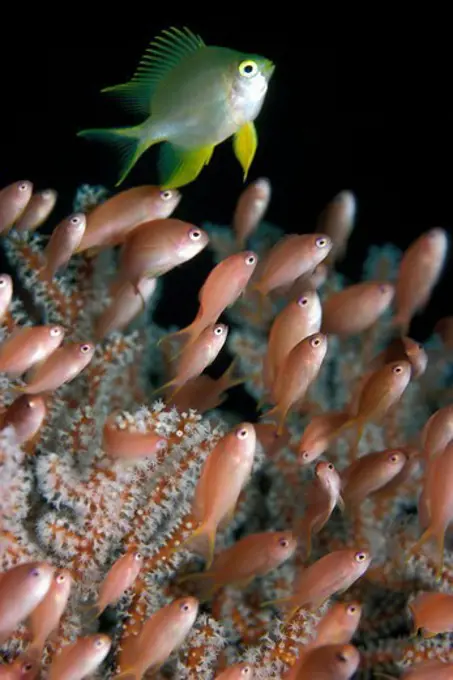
(194,97)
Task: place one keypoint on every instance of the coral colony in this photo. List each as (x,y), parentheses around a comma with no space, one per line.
(121,550)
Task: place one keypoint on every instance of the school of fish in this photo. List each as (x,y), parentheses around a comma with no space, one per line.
(148,528)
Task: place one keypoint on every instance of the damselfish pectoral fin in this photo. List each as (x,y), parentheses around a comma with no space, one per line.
(245,143)
(178,167)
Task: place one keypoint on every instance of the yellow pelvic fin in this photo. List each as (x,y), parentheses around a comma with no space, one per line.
(245,143)
(178,167)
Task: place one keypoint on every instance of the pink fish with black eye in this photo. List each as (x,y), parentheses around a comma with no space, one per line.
(124,443)
(369,473)
(157,247)
(63,243)
(437,432)
(6,294)
(240,671)
(26,415)
(250,209)
(120,577)
(222,288)
(432,613)
(337,221)
(113,221)
(22,588)
(330,662)
(77,660)
(14,199)
(160,635)
(45,618)
(126,304)
(61,367)
(37,210)
(28,346)
(214,501)
(356,308)
(316,436)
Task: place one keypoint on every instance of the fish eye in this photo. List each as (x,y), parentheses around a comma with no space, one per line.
(242,433)
(137,556)
(35,572)
(195,234)
(322,242)
(166,195)
(47,193)
(55,331)
(27,667)
(76,220)
(246,670)
(251,259)
(185,607)
(315,342)
(306,455)
(352,609)
(99,642)
(85,348)
(330,466)
(23,186)
(218,330)
(61,578)
(394,458)
(342,657)
(360,557)
(283,542)
(302,302)
(397,369)
(2,281)
(248,68)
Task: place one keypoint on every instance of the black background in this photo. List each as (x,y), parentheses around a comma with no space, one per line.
(356,102)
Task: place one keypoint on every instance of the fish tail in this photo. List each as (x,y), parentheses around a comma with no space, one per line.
(130,142)
(192,330)
(91,612)
(207,533)
(281,413)
(228,380)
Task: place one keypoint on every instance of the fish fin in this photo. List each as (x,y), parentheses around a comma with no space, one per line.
(245,142)
(207,532)
(281,412)
(129,142)
(165,51)
(341,504)
(178,167)
(427,634)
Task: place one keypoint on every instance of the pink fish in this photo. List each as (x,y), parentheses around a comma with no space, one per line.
(26,415)
(122,442)
(293,256)
(334,572)
(28,346)
(22,668)
(356,308)
(403,349)
(6,294)
(432,613)
(120,578)
(323,496)
(222,288)
(250,209)
(299,370)
(294,323)
(329,662)
(112,222)
(45,618)
(163,633)
(251,556)
(214,501)
(337,221)
(369,473)
(63,243)
(317,435)
(61,367)
(198,356)
(419,272)
(437,432)
(127,303)
(81,658)
(22,588)
(13,201)
(157,247)
(205,393)
(37,210)
(433,669)
(240,671)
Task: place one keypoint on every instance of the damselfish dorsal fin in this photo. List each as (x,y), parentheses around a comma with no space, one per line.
(165,52)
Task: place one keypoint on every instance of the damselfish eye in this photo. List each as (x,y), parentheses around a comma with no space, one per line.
(195,234)
(322,242)
(397,369)
(251,259)
(283,542)
(360,557)
(330,466)
(242,433)
(248,68)
(85,348)
(55,331)
(166,195)
(218,330)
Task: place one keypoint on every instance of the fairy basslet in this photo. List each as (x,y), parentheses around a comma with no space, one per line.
(194,97)
(240,671)
(80,658)
(14,199)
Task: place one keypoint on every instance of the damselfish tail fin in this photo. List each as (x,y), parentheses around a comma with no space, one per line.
(130,142)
